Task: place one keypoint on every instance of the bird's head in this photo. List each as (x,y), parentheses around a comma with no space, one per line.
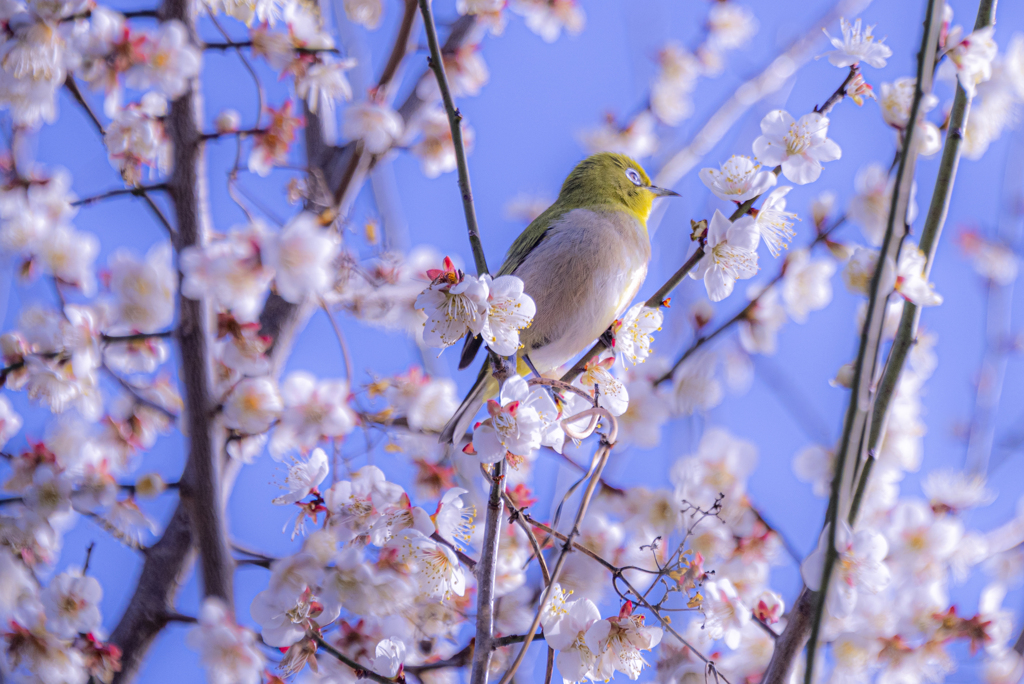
(611,179)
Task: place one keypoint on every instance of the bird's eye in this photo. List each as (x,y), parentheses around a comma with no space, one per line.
(633,176)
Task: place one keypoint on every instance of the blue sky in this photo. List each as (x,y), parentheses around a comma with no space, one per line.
(527,121)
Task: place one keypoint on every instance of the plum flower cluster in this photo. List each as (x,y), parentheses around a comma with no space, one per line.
(455,304)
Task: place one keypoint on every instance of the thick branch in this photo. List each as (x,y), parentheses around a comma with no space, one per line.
(485,577)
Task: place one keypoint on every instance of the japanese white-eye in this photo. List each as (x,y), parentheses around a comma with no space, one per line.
(582,261)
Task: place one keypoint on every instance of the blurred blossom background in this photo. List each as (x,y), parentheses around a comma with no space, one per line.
(541,106)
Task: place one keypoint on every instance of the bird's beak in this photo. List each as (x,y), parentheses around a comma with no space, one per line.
(662,192)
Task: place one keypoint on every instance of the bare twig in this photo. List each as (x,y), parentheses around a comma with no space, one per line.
(455,121)
(345,358)
(361,671)
(137,191)
(601,459)
(871,334)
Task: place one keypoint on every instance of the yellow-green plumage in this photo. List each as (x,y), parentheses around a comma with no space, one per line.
(582,261)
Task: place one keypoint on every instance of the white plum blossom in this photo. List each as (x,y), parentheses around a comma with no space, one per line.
(730,26)
(798,146)
(956,491)
(730,255)
(565,627)
(434,565)
(738,179)
(617,642)
(229,653)
(860,269)
(991,259)
(919,539)
(136,137)
(389,657)
(547,18)
(515,424)
(377,125)
(144,290)
(454,303)
(695,387)
(426,402)
(635,139)
(311,410)
(859,567)
(230,272)
(324,83)
(10,421)
(304,477)
(870,208)
(509,310)
(760,326)
(71,602)
(68,255)
(435,149)
(453,519)
(368,13)
(252,406)
(774,222)
(806,284)
(633,336)
(815,464)
(971,56)
(301,256)
(910,279)
(597,377)
(169,61)
(725,612)
(856,47)
(356,505)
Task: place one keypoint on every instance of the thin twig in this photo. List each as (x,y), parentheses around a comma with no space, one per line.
(136,337)
(871,333)
(455,121)
(361,671)
(345,358)
(137,191)
(601,458)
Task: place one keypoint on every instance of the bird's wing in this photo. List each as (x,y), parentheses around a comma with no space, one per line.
(529,238)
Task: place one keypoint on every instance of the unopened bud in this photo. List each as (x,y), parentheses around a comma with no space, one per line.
(149,486)
(698,229)
(844,378)
(228,121)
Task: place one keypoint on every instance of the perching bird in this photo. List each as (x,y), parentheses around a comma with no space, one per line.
(582,261)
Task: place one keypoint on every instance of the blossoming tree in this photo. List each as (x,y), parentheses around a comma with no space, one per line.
(411,560)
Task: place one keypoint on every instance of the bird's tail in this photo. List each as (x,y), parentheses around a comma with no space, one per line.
(486,387)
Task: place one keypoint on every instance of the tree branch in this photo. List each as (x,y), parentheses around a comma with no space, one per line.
(601,458)
(871,334)
(485,578)
(455,121)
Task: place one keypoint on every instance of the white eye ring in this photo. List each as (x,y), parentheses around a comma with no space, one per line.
(633,176)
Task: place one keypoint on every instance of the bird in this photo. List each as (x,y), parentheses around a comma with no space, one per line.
(582,261)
